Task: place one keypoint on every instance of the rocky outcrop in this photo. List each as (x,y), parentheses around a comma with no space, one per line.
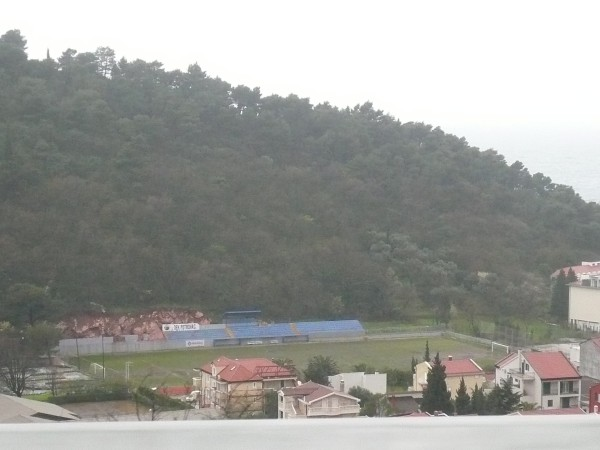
(148,326)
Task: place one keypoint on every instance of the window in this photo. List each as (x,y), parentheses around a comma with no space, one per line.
(550,403)
(546,389)
(566,387)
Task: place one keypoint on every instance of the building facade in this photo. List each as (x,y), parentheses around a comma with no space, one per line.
(313,400)
(375,383)
(545,379)
(589,358)
(456,369)
(584,304)
(239,385)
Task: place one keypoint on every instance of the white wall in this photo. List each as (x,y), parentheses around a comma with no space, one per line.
(584,307)
(373,382)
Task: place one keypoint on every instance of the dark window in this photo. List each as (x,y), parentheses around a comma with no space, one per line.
(546,388)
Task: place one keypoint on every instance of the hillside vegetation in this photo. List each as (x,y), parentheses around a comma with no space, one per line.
(132,187)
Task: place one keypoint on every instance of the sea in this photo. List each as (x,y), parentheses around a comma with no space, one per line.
(568,156)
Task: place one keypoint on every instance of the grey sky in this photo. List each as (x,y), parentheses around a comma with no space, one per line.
(517,76)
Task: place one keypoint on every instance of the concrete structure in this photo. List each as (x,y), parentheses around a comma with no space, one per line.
(456,369)
(313,400)
(22,410)
(375,383)
(589,356)
(546,379)
(238,385)
(584,304)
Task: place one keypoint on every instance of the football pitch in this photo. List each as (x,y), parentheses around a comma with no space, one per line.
(177,368)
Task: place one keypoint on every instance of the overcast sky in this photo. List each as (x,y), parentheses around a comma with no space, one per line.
(521,77)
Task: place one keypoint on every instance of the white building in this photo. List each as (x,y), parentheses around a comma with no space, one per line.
(312,400)
(584,304)
(375,383)
(546,379)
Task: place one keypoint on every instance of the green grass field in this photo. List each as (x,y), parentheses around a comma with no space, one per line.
(176,367)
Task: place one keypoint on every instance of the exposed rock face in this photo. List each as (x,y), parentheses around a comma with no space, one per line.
(148,326)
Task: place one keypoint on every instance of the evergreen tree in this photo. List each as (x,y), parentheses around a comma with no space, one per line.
(462,401)
(478,401)
(426,357)
(571,276)
(502,400)
(559,303)
(413,364)
(437,397)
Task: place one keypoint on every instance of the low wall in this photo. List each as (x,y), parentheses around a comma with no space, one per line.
(96,346)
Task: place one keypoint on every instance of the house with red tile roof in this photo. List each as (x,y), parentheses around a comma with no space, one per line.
(546,379)
(456,369)
(238,385)
(313,400)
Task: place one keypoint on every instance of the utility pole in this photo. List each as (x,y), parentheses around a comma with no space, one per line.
(102,337)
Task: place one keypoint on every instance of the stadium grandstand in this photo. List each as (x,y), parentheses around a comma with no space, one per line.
(246,328)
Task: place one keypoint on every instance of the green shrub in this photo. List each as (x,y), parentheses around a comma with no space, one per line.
(91,392)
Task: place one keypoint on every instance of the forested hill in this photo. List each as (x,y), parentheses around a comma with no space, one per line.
(134,187)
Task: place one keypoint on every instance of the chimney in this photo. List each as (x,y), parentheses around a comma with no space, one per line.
(449,357)
(342,384)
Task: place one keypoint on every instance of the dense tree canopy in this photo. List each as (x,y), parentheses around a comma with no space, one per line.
(319,369)
(133,186)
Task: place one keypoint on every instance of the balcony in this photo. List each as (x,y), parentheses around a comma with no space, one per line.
(337,411)
(517,374)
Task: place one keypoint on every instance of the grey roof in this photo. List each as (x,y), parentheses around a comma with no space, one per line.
(22,410)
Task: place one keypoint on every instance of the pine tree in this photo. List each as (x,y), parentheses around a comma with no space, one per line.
(462,401)
(426,357)
(559,302)
(478,401)
(502,400)
(437,397)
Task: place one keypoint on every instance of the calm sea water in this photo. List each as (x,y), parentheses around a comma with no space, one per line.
(569,156)
(578,169)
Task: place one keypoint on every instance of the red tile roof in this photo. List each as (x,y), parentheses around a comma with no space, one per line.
(578,270)
(551,365)
(456,367)
(175,391)
(248,369)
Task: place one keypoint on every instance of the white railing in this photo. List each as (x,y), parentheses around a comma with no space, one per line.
(515,373)
(325,411)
